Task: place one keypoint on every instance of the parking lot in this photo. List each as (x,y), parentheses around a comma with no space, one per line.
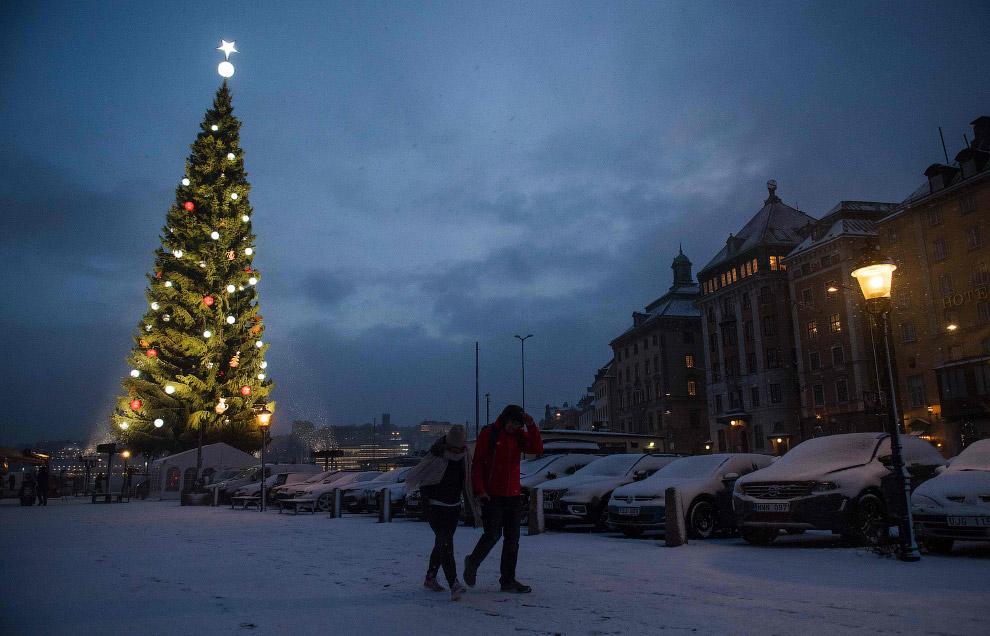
(157,568)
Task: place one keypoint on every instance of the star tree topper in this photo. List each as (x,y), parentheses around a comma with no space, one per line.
(227,48)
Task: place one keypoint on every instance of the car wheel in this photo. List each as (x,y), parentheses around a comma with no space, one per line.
(701,519)
(759,536)
(601,519)
(325,502)
(632,533)
(871,521)
(939,545)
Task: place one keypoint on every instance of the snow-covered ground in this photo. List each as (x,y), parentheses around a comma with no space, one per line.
(158,568)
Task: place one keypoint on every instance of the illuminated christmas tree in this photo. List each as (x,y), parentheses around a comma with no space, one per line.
(197,366)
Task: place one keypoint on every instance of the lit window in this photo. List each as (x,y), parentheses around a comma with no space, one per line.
(834,323)
(692,387)
(689,362)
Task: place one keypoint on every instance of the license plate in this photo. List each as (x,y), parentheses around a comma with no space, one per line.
(548,505)
(772,507)
(969,522)
(627,511)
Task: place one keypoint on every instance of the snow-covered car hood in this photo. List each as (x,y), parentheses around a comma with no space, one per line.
(586,486)
(821,472)
(656,487)
(965,487)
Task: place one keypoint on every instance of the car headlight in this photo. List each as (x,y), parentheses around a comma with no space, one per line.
(823,486)
(923,500)
(737,489)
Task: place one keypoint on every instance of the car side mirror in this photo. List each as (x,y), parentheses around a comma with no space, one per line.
(730,476)
(639,475)
(551,475)
(886,460)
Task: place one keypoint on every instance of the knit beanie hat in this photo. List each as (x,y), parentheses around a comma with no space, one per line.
(457,436)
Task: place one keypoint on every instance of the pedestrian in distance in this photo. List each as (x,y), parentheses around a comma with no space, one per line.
(43,486)
(444,479)
(12,481)
(495,479)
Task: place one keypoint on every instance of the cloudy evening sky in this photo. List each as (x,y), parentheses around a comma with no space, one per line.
(429,175)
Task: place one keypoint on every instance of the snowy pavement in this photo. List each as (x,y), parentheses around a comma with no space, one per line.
(157,568)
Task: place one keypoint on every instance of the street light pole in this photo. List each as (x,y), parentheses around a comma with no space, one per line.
(875,281)
(264,421)
(522,344)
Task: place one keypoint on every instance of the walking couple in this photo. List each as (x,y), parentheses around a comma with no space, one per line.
(489,482)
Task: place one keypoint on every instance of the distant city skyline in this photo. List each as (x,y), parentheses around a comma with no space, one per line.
(427,176)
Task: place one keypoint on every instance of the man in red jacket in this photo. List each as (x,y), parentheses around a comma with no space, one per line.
(495,479)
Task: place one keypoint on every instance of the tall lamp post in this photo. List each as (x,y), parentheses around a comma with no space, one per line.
(522,343)
(875,281)
(264,417)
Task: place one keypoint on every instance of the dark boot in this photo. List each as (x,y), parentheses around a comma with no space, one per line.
(516,587)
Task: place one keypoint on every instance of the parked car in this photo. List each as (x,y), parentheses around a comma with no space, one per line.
(393,480)
(534,472)
(705,486)
(252,474)
(955,505)
(414,507)
(828,483)
(286,491)
(322,491)
(281,479)
(583,496)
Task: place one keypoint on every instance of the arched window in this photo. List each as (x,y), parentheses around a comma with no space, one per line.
(188,478)
(172,479)
(208,475)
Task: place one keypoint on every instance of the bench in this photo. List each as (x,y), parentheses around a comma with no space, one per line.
(297,505)
(245,501)
(111,497)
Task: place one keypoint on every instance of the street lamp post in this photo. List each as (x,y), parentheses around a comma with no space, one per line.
(875,281)
(522,343)
(126,488)
(264,421)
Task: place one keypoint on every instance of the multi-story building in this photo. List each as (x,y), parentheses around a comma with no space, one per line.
(837,366)
(603,388)
(940,320)
(753,391)
(659,387)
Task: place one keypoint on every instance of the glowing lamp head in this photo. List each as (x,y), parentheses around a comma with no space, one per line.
(126,454)
(264,418)
(159,423)
(780,440)
(875,280)
(226,69)
(832,289)
(952,327)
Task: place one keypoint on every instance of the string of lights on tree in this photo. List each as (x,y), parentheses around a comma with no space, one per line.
(198,364)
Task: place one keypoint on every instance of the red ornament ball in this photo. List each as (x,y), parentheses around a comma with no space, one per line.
(208,300)
(189,205)
(158,274)
(152,353)
(246,390)
(247,269)
(135,405)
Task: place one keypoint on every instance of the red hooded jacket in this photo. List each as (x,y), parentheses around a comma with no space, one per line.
(495,470)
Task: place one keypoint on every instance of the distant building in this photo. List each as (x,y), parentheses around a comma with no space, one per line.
(603,390)
(837,368)
(941,305)
(752,378)
(658,384)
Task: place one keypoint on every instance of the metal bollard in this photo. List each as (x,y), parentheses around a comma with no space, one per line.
(537,523)
(216,497)
(675,530)
(384,506)
(337,511)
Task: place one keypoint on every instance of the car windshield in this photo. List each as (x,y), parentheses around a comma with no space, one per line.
(833,450)
(390,476)
(366,477)
(245,473)
(687,467)
(229,473)
(534,466)
(318,477)
(611,466)
(976,456)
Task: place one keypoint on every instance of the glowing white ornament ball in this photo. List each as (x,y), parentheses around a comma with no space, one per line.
(207,333)
(170,389)
(261,376)
(185,181)
(135,373)
(225,68)
(154,305)
(231,320)
(253,281)
(168,283)
(233,195)
(178,253)
(248,251)
(215,235)
(230,289)
(264,365)
(230,156)
(166,317)
(245,218)
(159,423)
(214,128)
(240,288)
(259,344)
(124,425)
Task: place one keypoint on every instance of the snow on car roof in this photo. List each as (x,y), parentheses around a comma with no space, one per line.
(976,456)
(832,450)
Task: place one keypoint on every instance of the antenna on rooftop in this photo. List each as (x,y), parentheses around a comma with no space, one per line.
(943,145)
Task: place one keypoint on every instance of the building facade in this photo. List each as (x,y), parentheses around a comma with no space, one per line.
(602,389)
(840,374)
(748,335)
(940,319)
(658,385)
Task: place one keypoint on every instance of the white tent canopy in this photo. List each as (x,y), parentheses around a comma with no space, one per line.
(173,474)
